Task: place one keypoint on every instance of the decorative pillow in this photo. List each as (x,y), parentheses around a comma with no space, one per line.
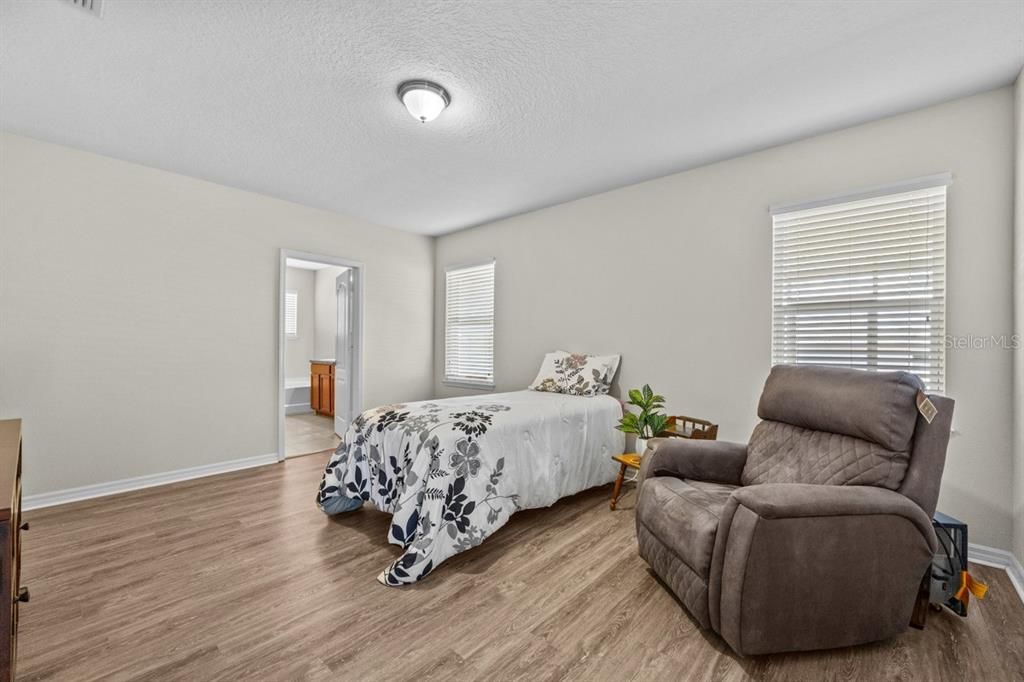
(546,380)
(602,381)
(576,373)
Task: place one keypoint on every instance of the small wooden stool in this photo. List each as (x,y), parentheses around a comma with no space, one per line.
(628,461)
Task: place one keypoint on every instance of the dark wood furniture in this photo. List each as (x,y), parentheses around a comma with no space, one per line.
(628,461)
(690,427)
(321,387)
(10,544)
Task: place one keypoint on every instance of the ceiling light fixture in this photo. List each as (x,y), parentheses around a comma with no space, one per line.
(424,100)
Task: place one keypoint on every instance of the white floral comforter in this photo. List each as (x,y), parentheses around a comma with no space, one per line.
(452,471)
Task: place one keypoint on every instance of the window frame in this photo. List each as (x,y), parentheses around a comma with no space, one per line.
(936,329)
(287,293)
(467,382)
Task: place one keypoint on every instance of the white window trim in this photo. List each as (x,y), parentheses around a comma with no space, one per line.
(461,382)
(466,383)
(925,182)
(928,182)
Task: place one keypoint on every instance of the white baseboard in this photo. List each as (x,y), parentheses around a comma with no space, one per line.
(998,558)
(87,492)
(298,408)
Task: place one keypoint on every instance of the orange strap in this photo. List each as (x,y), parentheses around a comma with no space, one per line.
(969,586)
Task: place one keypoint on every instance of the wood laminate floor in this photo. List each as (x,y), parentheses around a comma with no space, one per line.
(240,577)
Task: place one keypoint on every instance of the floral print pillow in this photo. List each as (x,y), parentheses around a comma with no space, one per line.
(576,373)
(546,379)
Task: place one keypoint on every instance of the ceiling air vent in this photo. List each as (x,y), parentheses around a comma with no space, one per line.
(94,6)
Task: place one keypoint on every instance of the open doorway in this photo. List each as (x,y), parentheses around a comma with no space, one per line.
(320,344)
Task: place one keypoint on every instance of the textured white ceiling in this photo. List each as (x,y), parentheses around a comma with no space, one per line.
(550,100)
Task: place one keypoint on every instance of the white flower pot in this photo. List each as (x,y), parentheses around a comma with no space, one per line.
(641,446)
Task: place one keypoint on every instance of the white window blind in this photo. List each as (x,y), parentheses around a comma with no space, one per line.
(469,325)
(291,313)
(862,284)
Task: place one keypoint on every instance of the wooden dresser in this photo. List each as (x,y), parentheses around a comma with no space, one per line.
(321,387)
(11,527)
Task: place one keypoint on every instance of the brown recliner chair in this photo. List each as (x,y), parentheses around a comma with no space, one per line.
(818,532)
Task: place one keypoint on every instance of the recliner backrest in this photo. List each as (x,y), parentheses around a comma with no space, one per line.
(928,459)
(835,426)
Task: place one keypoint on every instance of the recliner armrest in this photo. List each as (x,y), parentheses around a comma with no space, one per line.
(798,567)
(704,460)
(797,500)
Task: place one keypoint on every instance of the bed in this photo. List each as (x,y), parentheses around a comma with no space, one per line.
(451,472)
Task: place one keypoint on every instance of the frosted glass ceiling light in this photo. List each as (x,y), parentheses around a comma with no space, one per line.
(423,99)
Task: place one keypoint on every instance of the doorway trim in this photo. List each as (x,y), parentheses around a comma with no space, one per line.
(356,383)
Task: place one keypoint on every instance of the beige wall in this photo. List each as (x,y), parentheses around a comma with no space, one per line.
(1018,288)
(676,275)
(139,313)
(299,351)
(326,295)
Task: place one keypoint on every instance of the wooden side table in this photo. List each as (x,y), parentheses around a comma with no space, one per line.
(689,427)
(629,460)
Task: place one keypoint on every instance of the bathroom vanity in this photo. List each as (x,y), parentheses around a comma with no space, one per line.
(321,386)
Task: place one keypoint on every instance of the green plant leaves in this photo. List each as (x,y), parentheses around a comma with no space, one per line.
(629,423)
(645,398)
(649,422)
(657,423)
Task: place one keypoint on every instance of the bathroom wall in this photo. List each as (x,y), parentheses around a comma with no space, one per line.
(298,351)
(326,305)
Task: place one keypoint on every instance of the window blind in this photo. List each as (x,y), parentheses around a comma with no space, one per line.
(291,313)
(863,284)
(469,325)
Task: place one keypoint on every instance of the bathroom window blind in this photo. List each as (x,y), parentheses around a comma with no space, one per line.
(862,284)
(291,313)
(469,325)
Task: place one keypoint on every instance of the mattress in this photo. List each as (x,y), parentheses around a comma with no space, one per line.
(451,472)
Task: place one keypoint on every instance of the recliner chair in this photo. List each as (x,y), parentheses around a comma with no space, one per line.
(817,533)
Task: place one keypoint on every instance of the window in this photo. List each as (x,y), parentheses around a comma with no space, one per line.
(860,282)
(469,325)
(291,313)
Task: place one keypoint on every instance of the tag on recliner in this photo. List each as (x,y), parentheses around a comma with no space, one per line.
(926,407)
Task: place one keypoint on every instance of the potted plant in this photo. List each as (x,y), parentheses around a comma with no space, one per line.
(649,422)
